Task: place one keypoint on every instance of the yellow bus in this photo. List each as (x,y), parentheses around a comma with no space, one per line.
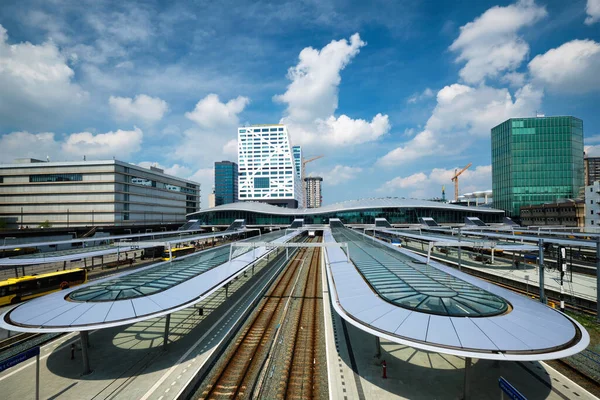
(14,290)
(177,252)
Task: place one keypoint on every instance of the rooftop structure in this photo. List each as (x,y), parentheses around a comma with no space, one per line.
(226,182)
(364,211)
(395,294)
(314,199)
(535,161)
(267,169)
(90,193)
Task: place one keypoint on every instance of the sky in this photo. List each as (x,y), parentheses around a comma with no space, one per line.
(394,94)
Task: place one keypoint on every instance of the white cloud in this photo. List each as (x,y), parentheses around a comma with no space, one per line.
(593,11)
(338,175)
(142,107)
(429,185)
(210,113)
(312,99)
(573,67)
(426,94)
(120,144)
(180,171)
(36,83)
(490,44)
(514,79)
(231,148)
(462,115)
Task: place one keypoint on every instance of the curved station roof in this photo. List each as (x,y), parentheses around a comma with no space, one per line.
(130,297)
(362,204)
(395,294)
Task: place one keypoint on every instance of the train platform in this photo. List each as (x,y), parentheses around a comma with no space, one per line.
(355,371)
(576,285)
(129,361)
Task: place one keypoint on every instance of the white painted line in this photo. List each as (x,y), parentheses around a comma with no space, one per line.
(575,386)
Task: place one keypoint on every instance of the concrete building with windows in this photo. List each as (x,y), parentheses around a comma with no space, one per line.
(568,213)
(535,161)
(592,170)
(90,193)
(592,205)
(226,182)
(314,198)
(267,170)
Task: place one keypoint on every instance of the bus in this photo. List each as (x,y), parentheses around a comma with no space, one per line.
(14,290)
(178,252)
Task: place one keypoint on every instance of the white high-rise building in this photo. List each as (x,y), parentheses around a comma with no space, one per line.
(267,171)
(314,198)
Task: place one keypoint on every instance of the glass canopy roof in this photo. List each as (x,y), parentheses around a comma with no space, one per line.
(161,277)
(411,284)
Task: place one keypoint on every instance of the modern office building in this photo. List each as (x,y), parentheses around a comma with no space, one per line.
(592,170)
(267,171)
(592,205)
(90,193)
(536,160)
(297,151)
(314,198)
(226,182)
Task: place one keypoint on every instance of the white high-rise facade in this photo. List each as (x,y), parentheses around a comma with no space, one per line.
(267,171)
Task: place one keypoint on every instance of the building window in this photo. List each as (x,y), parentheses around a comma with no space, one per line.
(261,183)
(55,178)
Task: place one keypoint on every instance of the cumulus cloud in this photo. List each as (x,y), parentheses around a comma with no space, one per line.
(490,45)
(180,171)
(593,12)
(429,185)
(211,113)
(426,94)
(339,174)
(312,98)
(463,114)
(572,67)
(120,144)
(36,83)
(142,108)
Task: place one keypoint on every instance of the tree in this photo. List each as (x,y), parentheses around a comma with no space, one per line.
(45,224)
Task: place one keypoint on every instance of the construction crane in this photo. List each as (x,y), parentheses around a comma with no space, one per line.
(455,179)
(304,162)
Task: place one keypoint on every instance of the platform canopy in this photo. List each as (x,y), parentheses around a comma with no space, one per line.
(392,293)
(139,295)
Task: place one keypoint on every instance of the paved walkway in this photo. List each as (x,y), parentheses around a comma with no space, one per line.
(129,361)
(355,372)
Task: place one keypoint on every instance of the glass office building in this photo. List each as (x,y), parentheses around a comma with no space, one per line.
(536,160)
(226,182)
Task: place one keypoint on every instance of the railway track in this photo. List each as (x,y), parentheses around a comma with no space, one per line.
(301,371)
(237,373)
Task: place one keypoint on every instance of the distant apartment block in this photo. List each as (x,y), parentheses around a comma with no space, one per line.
(569,213)
(592,205)
(89,193)
(226,182)
(592,170)
(267,170)
(314,198)
(535,161)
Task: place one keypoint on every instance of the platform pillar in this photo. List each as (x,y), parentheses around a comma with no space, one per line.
(541,267)
(166,337)
(84,338)
(467,375)
(377,347)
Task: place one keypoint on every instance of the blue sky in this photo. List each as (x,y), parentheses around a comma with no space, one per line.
(395,94)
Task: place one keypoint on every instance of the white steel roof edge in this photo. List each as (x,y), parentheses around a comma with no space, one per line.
(101,325)
(264,208)
(483,354)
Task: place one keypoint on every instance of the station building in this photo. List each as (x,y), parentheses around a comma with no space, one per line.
(364,211)
(90,193)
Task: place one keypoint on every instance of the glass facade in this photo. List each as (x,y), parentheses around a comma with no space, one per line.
(56,178)
(394,215)
(226,182)
(405,282)
(536,160)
